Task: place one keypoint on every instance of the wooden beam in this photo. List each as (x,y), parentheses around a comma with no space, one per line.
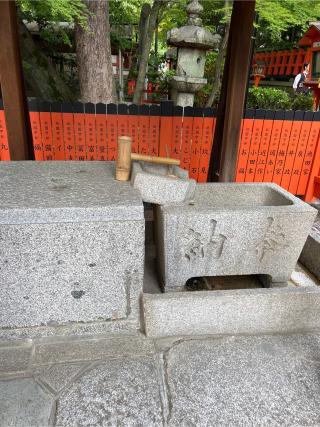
(233,91)
(12,87)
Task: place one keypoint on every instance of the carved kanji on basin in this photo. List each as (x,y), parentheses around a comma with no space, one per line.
(232,229)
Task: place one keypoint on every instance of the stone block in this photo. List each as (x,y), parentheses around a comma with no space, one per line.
(24,403)
(58,376)
(15,357)
(119,392)
(77,350)
(246,311)
(71,245)
(232,229)
(162,184)
(243,381)
(310,255)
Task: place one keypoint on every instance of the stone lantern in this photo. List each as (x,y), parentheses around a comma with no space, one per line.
(192,42)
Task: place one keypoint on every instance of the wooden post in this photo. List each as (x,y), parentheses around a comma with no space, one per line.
(12,87)
(123,162)
(230,112)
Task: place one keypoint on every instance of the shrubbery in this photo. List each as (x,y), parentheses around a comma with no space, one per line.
(265,98)
(302,102)
(277,99)
(268,98)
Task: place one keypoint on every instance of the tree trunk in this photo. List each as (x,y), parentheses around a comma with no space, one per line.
(94,55)
(40,75)
(142,31)
(143,63)
(218,67)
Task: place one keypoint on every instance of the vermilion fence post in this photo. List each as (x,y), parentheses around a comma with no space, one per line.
(112,131)
(292,148)
(300,151)
(186,138)
(274,145)
(174,145)
(144,120)
(166,108)
(79,131)
(90,126)
(314,173)
(264,146)
(68,130)
(244,146)
(196,142)
(305,184)
(154,130)
(4,147)
(46,130)
(57,131)
(133,127)
(209,122)
(283,145)
(122,120)
(254,145)
(101,130)
(35,129)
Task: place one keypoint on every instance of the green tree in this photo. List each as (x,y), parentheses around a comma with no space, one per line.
(44,80)
(281,23)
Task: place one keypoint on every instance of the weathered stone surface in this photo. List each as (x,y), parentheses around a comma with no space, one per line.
(310,255)
(24,403)
(73,350)
(14,358)
(193,42)
(71,244)
(116,392)
(232,229)
(246,311)
(192,36)
(161,184)
(58,376)
(247,381)
(187,85)
(302,277)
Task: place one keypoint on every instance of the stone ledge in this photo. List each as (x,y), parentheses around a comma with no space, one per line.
(247,311)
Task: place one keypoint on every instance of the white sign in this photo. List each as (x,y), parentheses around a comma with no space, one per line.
(316,44)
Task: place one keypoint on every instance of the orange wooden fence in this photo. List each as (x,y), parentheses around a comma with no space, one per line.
(281,147)
(283,62)
(276,146)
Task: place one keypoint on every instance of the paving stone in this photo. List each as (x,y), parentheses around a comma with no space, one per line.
(247,381)
(122,392)
(15,358)
(23,403)
(73,350)
(58,376)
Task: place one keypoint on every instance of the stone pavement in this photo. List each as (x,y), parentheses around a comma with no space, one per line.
(270,380)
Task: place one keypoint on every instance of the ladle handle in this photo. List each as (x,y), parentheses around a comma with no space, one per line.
(153,159)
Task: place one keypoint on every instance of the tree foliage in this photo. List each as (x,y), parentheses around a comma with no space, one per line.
(282,23)
(47,13)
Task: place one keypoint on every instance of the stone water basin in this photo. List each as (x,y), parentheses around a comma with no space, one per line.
(162,184)
(232,229)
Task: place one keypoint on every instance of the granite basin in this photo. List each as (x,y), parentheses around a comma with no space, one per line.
(232,229)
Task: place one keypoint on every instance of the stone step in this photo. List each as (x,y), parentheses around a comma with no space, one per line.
(295,307)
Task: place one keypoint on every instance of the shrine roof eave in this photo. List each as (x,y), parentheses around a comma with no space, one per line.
(311,35)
